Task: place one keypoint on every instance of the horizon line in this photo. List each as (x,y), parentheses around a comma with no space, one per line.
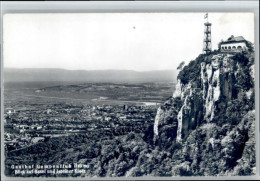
(93,69)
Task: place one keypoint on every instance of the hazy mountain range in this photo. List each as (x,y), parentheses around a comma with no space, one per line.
(47,74)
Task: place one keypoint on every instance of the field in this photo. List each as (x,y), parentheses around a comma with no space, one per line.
(86,93)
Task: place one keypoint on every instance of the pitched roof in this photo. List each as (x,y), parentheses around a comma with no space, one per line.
(233,39)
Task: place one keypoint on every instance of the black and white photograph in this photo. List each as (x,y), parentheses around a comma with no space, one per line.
(129,95)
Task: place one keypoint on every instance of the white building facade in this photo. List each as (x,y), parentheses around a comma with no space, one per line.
(234,44)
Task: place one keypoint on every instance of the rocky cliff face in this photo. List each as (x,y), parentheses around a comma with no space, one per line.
(211,114)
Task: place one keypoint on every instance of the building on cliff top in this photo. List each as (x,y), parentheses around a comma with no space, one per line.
(234,44)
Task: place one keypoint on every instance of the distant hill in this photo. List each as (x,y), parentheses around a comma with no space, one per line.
(45,74)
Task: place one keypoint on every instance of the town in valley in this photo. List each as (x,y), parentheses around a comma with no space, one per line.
(35,114)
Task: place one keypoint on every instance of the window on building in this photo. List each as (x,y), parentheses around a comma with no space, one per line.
(233,47)
(239,47)
(229,47)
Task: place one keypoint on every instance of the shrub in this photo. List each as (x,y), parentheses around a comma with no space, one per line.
(191,72)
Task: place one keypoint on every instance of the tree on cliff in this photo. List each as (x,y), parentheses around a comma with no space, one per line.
(219,141)
(180,66)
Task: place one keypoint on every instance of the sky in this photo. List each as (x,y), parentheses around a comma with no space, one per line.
(98,41)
